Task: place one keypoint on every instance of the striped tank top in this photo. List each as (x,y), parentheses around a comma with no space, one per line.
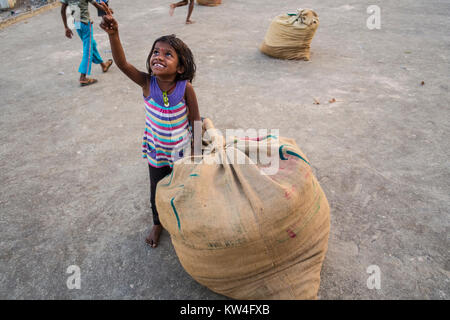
(166,128)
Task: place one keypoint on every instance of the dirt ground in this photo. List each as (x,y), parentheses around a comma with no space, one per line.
(74,188)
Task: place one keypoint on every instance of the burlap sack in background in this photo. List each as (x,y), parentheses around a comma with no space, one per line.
(210,3)
(244,234)
(289,36)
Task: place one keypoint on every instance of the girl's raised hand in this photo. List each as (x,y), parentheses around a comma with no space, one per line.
(109,24)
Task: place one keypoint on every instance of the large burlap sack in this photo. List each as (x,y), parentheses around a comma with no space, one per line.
(245,234)
(210,3)
(290,36)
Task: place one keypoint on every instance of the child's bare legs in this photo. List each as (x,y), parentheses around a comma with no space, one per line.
(175,5)
(156,174)
(191,8)
(172,8)
(180,4)
(153,238)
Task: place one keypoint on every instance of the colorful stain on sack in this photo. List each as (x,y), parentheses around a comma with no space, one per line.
(288,165)
(307,174)
(258,138)
(288,193)
(175,212)
(302,223)
(289,152)
(291,233)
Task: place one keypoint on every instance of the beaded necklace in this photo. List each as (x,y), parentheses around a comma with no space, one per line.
(165,97)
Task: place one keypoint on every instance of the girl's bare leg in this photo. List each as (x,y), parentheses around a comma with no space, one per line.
(178,4)
(191,8)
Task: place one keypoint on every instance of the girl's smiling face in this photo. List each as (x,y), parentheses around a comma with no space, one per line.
(164,60)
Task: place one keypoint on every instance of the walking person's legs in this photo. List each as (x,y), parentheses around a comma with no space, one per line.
(97,59)
(83,32)
(90,54)
(190,9)
(176,5)
(86,62)
(180,4)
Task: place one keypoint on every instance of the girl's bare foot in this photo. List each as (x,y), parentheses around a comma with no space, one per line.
(153,238)
(172,9)
(189,21)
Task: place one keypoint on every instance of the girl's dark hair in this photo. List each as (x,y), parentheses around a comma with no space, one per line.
(185,57)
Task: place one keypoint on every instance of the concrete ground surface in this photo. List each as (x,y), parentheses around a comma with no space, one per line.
(74,188)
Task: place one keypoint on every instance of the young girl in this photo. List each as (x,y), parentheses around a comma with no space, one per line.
(170,104)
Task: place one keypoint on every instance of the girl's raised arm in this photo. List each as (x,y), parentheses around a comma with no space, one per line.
(110,25)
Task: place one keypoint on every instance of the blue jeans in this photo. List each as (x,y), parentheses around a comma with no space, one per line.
(90,52)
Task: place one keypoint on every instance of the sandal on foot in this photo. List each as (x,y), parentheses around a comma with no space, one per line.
(108,64)
(88,82)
